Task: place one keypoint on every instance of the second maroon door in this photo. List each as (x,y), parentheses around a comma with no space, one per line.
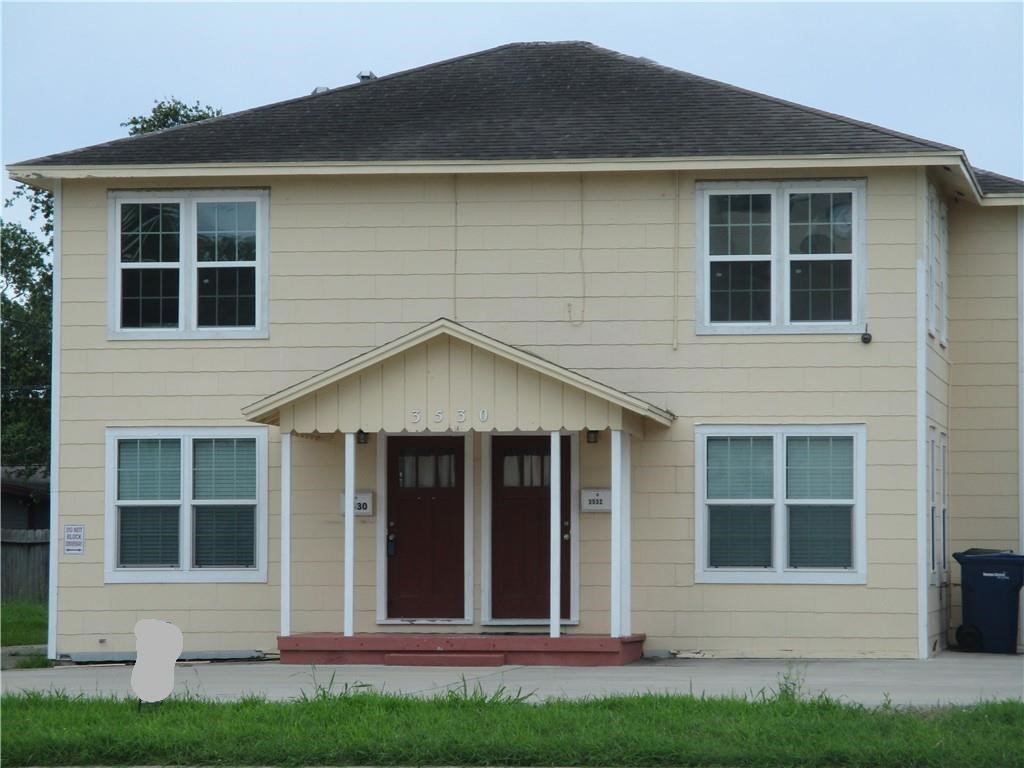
(520,527)
(426,523)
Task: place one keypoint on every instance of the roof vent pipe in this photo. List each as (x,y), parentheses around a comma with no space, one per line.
(318,90)
(366,76)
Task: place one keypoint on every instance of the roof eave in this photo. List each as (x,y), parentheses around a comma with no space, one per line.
(36,174)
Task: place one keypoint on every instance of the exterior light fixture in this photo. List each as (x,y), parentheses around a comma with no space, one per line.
(593,435)
(362,438)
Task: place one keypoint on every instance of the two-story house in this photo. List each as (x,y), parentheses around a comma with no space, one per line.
(540,354)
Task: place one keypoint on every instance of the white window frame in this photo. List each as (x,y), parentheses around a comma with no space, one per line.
(937,245)
(779,573)
(184,572)
(187,264)
(780,257)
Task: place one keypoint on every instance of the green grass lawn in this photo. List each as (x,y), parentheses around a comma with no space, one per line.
(22,623)
(474,730)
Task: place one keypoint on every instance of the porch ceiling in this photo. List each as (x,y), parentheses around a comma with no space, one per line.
(446,377)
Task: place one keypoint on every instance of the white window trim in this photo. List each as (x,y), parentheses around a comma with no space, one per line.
(937,215)
(779,574)
(112,574)
(780,257)
(187,264)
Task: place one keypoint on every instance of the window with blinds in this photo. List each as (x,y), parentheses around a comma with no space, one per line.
(148,503)
(187,502)
(780,500)
(224,503)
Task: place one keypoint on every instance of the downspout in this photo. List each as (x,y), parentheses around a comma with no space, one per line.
(921,330)
(51,623)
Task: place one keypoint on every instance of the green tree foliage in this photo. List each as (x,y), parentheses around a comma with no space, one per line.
(168,114)
(27,294)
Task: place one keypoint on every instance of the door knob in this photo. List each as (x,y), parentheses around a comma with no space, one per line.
(565,536)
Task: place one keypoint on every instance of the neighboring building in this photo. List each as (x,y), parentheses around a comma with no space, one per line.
(25,500)
(747,370)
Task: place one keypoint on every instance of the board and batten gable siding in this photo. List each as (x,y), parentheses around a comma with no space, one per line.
(985,395)
(357,262)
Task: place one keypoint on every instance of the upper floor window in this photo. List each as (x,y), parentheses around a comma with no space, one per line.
(780,257)
(937,246)
(188,264)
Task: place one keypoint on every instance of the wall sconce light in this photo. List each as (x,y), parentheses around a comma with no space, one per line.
(593,435)
(362,438)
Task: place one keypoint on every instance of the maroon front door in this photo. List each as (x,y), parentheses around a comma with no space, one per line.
(425,528)
(520,527)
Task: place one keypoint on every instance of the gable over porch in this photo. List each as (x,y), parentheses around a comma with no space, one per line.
(454,383)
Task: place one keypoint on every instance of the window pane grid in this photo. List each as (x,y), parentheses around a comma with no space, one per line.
(226,296)
(224,536)
(821,291)
(225,236)
(806,517)
(820,223)
(741,291)
(223,487)
(740,225)
(148,536)
(150,232)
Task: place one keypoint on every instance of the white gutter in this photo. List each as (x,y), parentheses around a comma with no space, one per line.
(922,417)
(34,174)
(51,624)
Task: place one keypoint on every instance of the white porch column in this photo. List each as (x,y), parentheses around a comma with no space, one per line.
(556,535)
(286,534)
(621,566)
(350,533)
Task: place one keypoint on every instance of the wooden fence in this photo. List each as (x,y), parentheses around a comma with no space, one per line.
(24,564)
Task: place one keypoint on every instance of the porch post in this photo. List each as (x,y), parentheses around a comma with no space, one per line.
(620,534)
(350,529)
(556,535)
(286,534)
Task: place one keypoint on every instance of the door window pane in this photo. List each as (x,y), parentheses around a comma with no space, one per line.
(820,536)
(739,536)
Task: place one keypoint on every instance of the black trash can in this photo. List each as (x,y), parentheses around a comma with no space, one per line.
(990,586)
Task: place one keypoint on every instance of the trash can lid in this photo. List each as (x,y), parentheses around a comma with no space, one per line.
(1003,557)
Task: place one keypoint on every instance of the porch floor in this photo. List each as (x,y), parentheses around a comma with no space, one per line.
(460,650)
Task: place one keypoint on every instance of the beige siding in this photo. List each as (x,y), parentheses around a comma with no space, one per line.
(357,262)
(985,395)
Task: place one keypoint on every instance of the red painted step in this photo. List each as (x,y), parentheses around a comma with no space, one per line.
(445,659)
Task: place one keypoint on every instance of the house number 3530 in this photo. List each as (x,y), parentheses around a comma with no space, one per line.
(416,415)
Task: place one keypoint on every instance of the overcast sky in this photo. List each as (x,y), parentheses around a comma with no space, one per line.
(950,72)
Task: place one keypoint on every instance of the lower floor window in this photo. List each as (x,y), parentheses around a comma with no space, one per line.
(186,504)
(780,503)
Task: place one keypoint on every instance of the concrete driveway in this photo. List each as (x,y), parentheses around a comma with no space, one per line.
(946,679)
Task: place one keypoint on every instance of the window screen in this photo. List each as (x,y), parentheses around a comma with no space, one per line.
(148,471)
(224,535)
(820,469)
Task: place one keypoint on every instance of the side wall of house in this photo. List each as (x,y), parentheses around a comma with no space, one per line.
(356,262)
(985,394)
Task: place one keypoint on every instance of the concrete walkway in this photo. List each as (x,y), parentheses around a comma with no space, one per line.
(947,679)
